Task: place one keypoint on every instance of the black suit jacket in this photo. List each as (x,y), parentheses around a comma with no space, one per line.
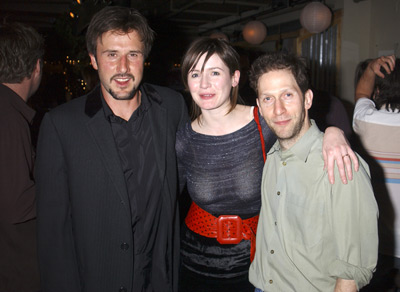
(84,222)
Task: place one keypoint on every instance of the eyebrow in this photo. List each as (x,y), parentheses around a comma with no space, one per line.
(280,91)
(211,68)
(111,50)
(136,51)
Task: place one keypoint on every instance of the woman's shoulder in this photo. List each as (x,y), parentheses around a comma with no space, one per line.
(244,110)
(183,135)
(243,116)
(184,130)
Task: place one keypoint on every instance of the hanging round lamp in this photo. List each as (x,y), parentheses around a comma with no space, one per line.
(254,32)
(315,17)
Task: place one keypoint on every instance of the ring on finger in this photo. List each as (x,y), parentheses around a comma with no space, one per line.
(346,155)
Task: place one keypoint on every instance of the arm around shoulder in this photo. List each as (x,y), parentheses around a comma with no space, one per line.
(337,149)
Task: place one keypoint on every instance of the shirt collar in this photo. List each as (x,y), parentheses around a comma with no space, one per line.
(301,149)
(145,104)
(18,103)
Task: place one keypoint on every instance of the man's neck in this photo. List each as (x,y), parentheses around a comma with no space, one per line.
(20,89)
(124,108)
(289,143)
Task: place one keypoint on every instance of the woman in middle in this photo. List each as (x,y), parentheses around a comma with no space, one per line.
(220,160)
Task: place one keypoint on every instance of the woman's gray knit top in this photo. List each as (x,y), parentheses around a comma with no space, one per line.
(223,176)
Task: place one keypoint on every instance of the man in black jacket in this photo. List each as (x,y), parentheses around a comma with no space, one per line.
(106,172)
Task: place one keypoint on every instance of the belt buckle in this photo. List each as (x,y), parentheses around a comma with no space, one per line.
(221,222)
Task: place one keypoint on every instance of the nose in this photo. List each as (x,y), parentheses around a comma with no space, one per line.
(123,64)
(204,81)
(279,107)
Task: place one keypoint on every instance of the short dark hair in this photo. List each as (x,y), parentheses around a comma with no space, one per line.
(387,90)
(118,19)
(210,46)
(272,61)
(21,47)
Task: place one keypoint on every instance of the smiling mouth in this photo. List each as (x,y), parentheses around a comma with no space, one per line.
(207,96)
(122,80)
(282,123)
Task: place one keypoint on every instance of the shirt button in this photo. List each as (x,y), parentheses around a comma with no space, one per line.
(123,289)
(124,246)
(272,251)
(278,193)
(276,223)
(284,163)
(270,281)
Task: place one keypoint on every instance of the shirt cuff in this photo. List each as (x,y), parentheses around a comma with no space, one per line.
(344,270)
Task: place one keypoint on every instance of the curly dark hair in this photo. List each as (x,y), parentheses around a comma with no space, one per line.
(280,61)
(118,19)
(387,90)
(21,47)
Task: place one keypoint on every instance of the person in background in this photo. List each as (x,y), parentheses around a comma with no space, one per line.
(376,120)
(328,110)
(107,174)
(312,235)
(220,160)
(21,60)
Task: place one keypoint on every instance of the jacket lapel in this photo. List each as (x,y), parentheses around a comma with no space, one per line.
(158,124)
(101,133)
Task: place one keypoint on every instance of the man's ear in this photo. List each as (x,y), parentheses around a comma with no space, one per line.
(39,66)
(308,98)
(93,61)
(37,71)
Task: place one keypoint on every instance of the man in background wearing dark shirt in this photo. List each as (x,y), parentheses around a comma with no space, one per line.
(21,53)
(106,172)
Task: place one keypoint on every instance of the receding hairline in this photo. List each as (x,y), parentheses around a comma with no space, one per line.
(119,32)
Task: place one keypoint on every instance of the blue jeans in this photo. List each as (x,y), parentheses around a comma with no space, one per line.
(258,290)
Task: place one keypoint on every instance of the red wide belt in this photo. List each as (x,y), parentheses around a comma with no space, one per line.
(227,229)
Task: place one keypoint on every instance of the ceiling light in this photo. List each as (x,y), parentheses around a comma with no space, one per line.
(254,32)
(315,17)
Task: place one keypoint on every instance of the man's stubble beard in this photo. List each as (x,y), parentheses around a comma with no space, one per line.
(296,129)
(130,95)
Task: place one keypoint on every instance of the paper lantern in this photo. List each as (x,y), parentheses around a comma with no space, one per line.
(219,35)
(254,32)
(315,17)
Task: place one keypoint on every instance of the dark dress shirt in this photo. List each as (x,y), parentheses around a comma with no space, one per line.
(18,259)
(136,150)
(17,187)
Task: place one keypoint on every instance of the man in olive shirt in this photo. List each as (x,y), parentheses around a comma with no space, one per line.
(312,236)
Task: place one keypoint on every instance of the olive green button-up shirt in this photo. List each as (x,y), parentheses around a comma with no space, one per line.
(310,233)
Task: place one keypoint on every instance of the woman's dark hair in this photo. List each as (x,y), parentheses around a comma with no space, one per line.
(387,90)
(120,20)
(21,47)
(272,61)
(208,47)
